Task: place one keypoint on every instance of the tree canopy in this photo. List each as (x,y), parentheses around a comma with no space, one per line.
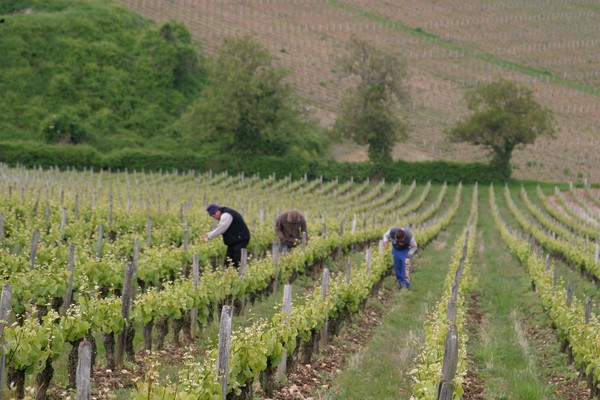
(369,112)
(94,72)
(110,73)
(504,117)
(248,108)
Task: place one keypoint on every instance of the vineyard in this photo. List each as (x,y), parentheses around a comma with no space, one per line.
(549,46)
(108,291)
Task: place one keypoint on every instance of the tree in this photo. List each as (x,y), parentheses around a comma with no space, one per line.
(505,117)
(65,127)
(369,112)
(248,107)
(96,65)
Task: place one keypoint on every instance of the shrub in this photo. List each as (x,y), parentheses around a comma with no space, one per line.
(64,128)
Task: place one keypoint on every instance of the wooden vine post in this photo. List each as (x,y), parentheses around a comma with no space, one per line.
(224,346)
(5,300)
(186,235)
(63,223)
(84,370)
(276,264)
(69,293)
(196,279)
(99,240)
(76,206)
(126,299)
(110,209)
(287,308)
(324,291)
(129,347)
(340,250)
(446,386)
(34,248)
(243,265)
(304,240)
(348,270)
(148,232)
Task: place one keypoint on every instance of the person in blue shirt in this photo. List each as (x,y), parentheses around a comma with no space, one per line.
(404,247)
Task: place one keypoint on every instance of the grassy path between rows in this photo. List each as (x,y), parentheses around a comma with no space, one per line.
(513,352)
(502,353)
(380,369)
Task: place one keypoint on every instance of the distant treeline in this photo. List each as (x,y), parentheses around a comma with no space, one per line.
(32,154)
(90,84)
(92,72)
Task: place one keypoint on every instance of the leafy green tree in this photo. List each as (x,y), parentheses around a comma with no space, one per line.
(167,58)
(505,117)
(248,107)
(125,77)
(11,6)
(65,127)
(369,112)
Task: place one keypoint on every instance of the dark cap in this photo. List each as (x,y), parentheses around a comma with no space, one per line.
(212,209)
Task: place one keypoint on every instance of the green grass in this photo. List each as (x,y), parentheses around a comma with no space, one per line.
(505,356)
(380,369)
(502,353)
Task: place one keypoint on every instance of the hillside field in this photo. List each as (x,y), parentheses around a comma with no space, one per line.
(551,46)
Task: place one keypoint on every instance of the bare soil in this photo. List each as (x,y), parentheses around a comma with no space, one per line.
(473,384)
(306,379)
(569,388)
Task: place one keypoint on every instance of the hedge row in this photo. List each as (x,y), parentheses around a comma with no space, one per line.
(33,154)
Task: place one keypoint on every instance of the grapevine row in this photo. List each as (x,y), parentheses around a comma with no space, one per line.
(447,317)
(262,345)
(573,253)
(568,313)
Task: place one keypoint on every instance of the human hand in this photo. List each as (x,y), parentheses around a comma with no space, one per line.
(204,237)
(386,244)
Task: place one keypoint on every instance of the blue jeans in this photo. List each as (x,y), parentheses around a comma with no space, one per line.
(400,266)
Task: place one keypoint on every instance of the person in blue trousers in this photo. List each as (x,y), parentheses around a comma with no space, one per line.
(404,247)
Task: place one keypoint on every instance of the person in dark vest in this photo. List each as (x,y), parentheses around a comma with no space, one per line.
(404,247)
(234,230)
